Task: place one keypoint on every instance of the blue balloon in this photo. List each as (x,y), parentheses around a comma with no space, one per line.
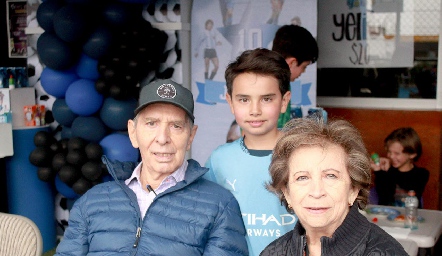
(62,113)
(66,132)
(71,23)
(56,82)
(46,12)
(89,128)
(115,113)
(117,146)
(98,43)
(55,53)
(87,67)
(82,97)
(64,189)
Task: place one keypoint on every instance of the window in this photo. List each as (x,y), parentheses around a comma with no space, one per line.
(390,60)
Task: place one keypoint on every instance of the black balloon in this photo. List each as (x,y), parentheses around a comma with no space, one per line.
(101,86)
(76,143)
(91,170)
(94,151)
(49,118)
(102,66)
(69,174)
(81,186)
(43,139)
(110,74)
(118,92)
(55,146)
(64,145)
(45,173)
(76,157)
(41,156)
(58,161)
(117,14)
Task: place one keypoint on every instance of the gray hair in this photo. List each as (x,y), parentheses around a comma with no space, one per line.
(303,132)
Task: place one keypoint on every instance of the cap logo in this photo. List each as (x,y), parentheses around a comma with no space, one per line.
(166,91)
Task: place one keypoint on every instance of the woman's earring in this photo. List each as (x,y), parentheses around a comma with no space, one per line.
(290,207)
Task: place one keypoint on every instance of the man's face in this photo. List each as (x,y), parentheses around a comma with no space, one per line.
(163,134)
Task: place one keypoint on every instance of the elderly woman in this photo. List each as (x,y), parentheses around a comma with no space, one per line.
(321,172)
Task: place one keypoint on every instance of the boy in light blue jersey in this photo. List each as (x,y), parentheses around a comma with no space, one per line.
(257,92)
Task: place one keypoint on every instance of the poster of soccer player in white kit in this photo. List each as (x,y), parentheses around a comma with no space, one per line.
(220,31)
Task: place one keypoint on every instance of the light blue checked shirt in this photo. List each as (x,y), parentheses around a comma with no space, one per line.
(144,197)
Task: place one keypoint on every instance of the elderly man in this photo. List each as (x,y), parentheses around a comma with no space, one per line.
(162,206)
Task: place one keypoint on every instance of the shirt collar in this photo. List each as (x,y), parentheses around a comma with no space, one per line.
(177,175)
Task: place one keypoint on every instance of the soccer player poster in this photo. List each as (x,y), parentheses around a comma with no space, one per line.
(220,31)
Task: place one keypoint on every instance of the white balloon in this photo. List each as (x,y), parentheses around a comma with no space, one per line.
(34,61)
(31,19)
(171,40)
(160,17)
(30,51)
(40,91)
(32,40)
(177,75)
(171,58)
(171,15)
(61,211)
(146,14)
(148,78)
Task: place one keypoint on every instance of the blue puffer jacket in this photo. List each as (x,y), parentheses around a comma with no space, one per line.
(195,217)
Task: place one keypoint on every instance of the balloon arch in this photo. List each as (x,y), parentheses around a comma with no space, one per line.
(94,56)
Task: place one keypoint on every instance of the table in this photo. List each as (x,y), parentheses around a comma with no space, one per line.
(425,236)
(410,246)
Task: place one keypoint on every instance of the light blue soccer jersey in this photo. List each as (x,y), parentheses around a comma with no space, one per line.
(245,176)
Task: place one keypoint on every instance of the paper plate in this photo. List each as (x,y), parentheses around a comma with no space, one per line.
(383,211)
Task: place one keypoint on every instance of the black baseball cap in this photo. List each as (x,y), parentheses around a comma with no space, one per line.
(166,91)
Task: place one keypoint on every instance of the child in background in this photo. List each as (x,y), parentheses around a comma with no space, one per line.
(397,174)
(257,91)
(234,132)
(299,49)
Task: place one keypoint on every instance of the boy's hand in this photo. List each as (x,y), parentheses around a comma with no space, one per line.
(374,166)
(384,163)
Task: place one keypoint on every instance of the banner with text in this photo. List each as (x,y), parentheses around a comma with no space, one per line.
(363,33)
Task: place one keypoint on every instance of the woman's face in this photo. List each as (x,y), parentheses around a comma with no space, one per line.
(319,188)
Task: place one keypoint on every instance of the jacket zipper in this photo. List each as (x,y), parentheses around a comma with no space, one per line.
(137,236)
